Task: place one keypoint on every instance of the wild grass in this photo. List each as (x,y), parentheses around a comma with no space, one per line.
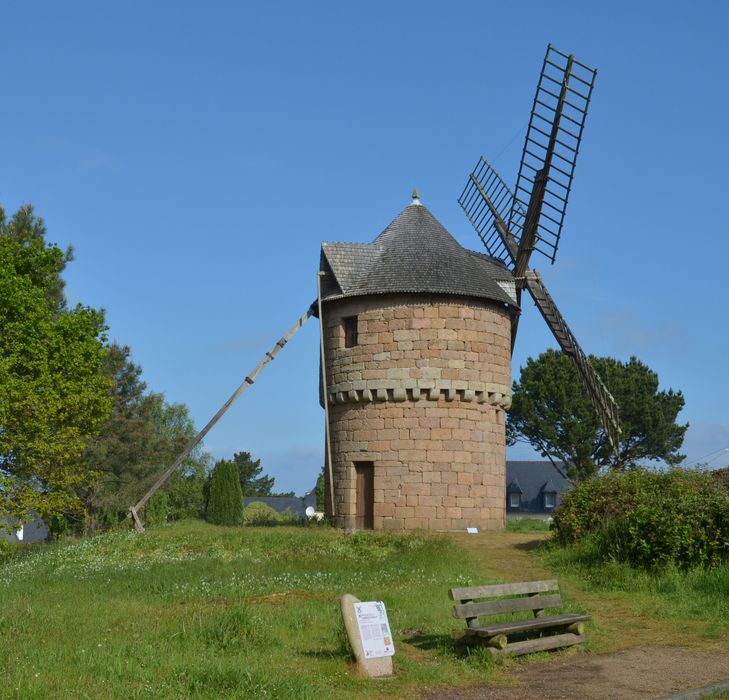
(526,525)
(669,593)
(193,610)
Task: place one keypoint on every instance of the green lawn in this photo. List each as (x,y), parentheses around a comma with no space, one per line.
(193,610)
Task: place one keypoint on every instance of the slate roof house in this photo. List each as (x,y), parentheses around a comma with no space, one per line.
(534,488)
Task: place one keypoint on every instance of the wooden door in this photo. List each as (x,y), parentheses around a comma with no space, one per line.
(365,515)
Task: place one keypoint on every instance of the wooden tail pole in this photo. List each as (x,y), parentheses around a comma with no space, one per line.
(325,391)
(134,510)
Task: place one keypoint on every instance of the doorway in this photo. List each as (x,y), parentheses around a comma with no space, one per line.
(365,514)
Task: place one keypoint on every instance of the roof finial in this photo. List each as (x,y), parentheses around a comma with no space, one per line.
(416,197)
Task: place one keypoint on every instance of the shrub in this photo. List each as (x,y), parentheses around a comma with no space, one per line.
(258,513)
(225,500)
(157,510)
(722,476)
(648,519)
(6,549)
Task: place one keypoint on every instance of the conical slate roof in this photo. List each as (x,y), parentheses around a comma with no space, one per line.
(415,253)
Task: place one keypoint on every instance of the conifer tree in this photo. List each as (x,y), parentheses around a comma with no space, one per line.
(225,499)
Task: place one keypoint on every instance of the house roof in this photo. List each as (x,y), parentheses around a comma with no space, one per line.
(514,486)
(536,477)
(415,253)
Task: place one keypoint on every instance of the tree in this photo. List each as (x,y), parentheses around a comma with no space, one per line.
(225,500)
(252,481)
(53,395)
(551,410)
(29,231)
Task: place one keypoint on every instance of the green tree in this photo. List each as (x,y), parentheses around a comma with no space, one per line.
(551,410)
(225,500)
(29,231)
(53,395)
(252,481)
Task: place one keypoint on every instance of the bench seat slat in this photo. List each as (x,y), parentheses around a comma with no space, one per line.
(499,589)
(507,605)
(523,625)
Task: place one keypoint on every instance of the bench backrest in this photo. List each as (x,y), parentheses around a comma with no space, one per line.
(527,595)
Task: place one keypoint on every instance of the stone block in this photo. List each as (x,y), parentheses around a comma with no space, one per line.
(372,668)
(458,490)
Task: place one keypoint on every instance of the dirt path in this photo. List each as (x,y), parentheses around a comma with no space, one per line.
(641,659)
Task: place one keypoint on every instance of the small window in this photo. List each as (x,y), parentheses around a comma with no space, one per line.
(350,331)
(514,500)
(549,500)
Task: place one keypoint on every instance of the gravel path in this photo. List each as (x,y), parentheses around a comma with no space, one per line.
(641,672)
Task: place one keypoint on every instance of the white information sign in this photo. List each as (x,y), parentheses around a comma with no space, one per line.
(374,629)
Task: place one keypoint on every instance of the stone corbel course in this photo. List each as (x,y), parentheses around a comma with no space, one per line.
(379,390)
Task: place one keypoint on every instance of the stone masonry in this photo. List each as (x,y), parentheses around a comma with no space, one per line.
(421,395)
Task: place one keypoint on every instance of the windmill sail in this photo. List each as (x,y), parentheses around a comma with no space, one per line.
(602,400)
(489,204)
(550,151)
(484,200)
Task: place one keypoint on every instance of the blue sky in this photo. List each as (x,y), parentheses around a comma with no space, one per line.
(196,155)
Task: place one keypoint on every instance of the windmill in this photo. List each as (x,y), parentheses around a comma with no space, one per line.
(513,225)
(381,286)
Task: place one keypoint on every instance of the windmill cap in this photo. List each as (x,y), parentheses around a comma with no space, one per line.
(414,254)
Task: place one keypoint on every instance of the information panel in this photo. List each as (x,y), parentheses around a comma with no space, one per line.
(374,629)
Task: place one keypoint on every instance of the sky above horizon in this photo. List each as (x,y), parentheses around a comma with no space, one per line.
(196,156)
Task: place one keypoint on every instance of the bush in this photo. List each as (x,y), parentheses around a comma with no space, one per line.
(157,510)
(6,549)
(258,513)
(722,476)
(225,499)
(648,519)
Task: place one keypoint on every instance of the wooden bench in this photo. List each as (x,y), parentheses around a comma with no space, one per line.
(526,596)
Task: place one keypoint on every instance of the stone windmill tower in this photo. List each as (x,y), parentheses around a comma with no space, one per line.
(417,352)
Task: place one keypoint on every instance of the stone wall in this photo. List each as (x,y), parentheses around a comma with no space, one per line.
(422,396)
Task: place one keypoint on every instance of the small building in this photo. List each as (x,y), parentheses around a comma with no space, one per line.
(534,488)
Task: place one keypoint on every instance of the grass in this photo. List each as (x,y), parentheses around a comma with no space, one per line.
(688,607)
(193,610)
(526,525)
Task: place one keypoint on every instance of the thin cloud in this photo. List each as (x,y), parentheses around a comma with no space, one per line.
(631,335)
(244,344)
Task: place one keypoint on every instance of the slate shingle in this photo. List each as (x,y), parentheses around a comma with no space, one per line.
(415,253)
